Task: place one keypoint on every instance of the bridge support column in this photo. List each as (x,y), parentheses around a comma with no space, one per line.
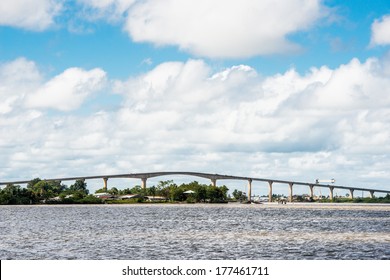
(371,194)
(143,183)
(311,191)
(105,183)
(331,193)
(250,190)
(290,192)
(270,191)
(351,193)
(214,182)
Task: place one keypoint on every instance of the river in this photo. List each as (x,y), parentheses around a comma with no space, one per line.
(195,232)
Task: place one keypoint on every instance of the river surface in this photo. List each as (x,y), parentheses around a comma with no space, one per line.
(198,231)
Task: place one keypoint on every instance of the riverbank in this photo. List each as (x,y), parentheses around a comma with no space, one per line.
(329,205)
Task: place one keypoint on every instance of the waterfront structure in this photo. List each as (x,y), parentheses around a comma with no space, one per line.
(213,178)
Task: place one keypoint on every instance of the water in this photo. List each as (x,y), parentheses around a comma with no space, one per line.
(228,231)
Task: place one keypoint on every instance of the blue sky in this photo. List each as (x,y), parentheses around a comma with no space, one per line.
(292,90)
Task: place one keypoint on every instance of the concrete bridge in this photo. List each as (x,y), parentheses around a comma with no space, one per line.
(213,178)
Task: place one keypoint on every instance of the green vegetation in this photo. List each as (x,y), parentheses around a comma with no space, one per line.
(239,195)
(385,199)
(176,193)
(51,192)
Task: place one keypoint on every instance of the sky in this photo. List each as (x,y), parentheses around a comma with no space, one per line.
(293,90)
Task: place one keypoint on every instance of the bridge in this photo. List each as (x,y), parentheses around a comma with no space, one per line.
(213,178)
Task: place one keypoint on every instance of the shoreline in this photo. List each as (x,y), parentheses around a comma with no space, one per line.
(330,205)
(265,205)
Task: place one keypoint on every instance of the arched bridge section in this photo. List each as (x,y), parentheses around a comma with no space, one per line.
(213,178)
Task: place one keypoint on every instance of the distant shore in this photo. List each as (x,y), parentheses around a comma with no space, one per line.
(265,205)
(329,205)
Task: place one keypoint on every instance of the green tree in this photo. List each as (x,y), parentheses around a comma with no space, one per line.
(14,194)
(47,189)
(102,190)
(239,195)
(214,194)
(8,194)
(55,187)
(151,191)
(113,191)
(224,192)
(40,191)
(31,184)
(125,191)
(164,184)
(200,193)
(164,188)
(79,186)
(137,190)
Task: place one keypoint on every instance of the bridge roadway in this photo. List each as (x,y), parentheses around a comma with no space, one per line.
(214,178)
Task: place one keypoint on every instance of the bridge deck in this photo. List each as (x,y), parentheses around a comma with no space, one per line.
(198,174)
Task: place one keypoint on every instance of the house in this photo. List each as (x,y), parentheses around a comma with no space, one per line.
(129,196)
(104,196)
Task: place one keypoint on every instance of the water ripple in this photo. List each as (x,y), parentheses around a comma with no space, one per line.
(194,232)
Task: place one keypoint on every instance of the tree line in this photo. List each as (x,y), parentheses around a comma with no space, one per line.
(40,191)
(177,193)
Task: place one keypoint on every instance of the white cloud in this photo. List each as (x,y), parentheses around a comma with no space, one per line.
(326,123)
(283,113)
(34,15)
(17,79)
(22,85)
(68,90)
(381,31)
(223,28)
(217,29)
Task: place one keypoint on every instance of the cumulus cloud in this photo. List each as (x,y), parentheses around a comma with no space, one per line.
(216,29)
(381,31)
(22,85)
(223,28)
(68,90)
(17,79)
(283,113)
(186,116)
(34,15)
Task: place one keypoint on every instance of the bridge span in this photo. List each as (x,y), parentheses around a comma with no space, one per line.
(213,178)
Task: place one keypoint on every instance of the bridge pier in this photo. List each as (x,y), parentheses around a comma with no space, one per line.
(213,182)
(250,190)
(331,193)
(143,183)
(105,183)
(311,191)
(351,193)
(290,192)
(270,191)
(371,194)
